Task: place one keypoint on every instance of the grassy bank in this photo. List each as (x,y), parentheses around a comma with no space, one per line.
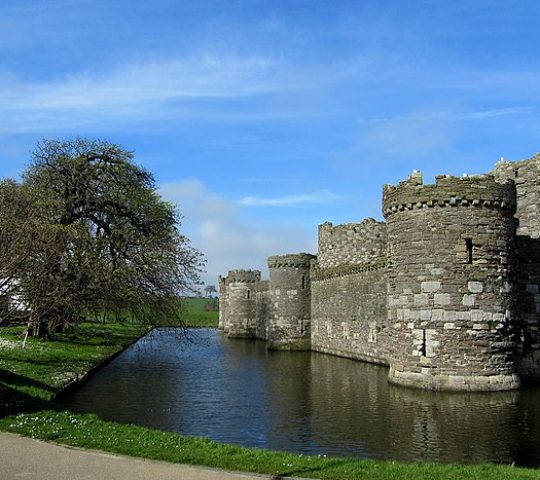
(196,313)
(30,378)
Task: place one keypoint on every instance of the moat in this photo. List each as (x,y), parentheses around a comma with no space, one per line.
(235,391)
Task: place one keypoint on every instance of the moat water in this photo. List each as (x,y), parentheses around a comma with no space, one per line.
(234,391)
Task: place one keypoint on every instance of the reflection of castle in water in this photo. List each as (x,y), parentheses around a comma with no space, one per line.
(339,407)
(446,291)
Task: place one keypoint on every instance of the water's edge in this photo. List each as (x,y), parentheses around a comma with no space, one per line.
(80,380)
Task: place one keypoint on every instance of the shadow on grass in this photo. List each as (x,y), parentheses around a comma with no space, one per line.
(13,402)
(13,379)
(302,471)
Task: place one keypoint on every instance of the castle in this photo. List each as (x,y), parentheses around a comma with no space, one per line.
(445,291)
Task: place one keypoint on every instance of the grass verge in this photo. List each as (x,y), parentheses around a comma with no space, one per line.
(88,431)
(30,378)
(195,312)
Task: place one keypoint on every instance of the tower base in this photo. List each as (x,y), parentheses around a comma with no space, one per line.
(456,383)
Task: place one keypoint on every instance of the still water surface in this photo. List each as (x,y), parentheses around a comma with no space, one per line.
(234,391)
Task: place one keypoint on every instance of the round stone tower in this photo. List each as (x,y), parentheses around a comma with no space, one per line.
(450,304)
(289,326)
(240,314)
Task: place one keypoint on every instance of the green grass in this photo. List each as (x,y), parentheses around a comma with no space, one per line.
(195,314)
(89,431)
(30,378)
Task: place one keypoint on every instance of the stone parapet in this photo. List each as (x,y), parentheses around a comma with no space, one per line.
(296,260)
(351,243)
(243,276)
(318,273)
(448,191)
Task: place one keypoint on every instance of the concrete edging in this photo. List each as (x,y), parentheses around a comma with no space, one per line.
(69,387)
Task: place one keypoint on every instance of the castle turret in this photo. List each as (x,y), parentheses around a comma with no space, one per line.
(289,326)
(240,309)
(222,282)
(450,283)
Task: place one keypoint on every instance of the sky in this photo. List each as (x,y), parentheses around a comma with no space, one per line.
(261,119)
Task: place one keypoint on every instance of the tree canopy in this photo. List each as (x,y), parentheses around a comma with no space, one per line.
(106,243)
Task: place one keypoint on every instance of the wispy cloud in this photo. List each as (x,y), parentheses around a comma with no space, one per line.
(322,197)
(139,91)
(455,115)
(204,77)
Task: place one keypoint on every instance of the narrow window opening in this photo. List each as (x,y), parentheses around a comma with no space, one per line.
(468,244)
(303,282)
(248,294)
(423,350)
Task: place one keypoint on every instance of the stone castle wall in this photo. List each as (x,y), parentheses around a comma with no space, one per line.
(348,313)
(263,307)
(526,175)
(351,243)
(446,291)
(528,305)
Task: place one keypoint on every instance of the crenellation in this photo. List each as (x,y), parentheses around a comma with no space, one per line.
(351,243)
(446,291)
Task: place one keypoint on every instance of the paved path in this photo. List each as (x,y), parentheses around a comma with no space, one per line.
(25,458)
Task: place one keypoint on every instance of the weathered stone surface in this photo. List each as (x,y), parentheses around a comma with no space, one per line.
(289,322)
(239,302)
(359,300)
(351,243)
(475,287)
(452,259)
(430,286)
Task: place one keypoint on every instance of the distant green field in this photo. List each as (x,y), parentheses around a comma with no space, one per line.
(197,312)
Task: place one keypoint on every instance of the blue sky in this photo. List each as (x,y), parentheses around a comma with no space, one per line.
(264,118)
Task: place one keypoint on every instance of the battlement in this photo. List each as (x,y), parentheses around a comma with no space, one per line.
(297,260)
(351,243)
(243,276)
(466,191)
(318,273)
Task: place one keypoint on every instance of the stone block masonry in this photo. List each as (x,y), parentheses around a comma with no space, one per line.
(446,291)
(289,322)
(449,247)
(351,244)
(348,313)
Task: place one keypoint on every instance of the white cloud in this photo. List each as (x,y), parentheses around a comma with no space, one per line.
(322,197)
(454,115)
(216,227)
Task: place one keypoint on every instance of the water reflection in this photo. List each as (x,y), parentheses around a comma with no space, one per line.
(235,391)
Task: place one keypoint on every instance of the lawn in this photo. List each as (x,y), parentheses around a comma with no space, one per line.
(200,312)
